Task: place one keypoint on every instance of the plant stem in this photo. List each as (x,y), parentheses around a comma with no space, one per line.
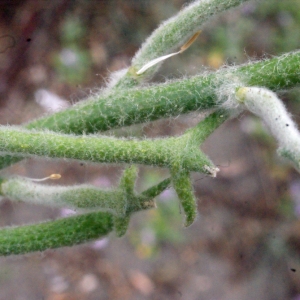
(172,34)
(53,234)
(127,107)
(156,152)
(183,186)
(74,197)
(122,108)
(72,230)
(181,152)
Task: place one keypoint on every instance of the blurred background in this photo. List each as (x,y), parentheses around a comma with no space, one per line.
(246,241)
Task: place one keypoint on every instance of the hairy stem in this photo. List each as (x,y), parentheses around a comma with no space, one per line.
(59,233)
(122,108)
(127,107)
(119,201)
(72,230)
(156,152)
(75,197)
(183,186)
(172,34)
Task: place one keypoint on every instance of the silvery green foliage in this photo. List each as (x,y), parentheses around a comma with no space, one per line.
(126,101)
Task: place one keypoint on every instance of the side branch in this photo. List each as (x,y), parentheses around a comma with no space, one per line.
(53,234)
(156,152)
(181,152)
(172,34)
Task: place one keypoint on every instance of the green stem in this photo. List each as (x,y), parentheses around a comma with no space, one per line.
(206,127)
(119,201)
(127,107)
(181,178)
(155,190)
(157,152)
(83,228)
(73,230)
(122,108)
(75,197)
(183,186)
(59,233)
(171,35)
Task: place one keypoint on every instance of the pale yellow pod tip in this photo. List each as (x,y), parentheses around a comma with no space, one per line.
(240,94)
(55,176)
(52,176)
